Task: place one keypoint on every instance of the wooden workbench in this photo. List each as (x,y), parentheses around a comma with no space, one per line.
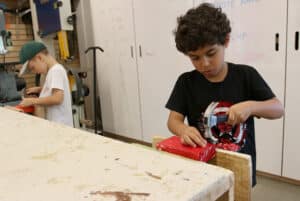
(45,161)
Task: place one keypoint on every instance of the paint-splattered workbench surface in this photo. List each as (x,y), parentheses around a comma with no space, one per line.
(44,161)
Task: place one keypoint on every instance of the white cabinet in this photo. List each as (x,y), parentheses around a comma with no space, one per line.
(140,64)
(112,27)
(159,63)
(291,159)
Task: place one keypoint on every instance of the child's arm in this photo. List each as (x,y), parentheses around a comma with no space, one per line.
(32,90)
(55,99)
(269,109)
(189,135)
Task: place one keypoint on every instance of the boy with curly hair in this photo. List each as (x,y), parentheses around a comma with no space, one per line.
(203,34)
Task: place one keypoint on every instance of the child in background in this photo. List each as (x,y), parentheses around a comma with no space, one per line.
(55,94)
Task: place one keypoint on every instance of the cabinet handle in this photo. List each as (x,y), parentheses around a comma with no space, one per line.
(131,51)
(140,50)
(297,40)
(277,42)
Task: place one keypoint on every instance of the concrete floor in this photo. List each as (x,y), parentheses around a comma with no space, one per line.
(273,190)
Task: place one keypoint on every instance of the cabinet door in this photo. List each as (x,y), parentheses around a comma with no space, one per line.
(159,63)
(291,161)
(112,22)
(254,28)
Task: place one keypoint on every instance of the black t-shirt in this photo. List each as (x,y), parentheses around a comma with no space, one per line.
(193,93)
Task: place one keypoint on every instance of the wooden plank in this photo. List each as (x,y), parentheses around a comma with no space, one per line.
(11,55)
(19,26)
(226,196)
(21,31)
(12,19)
(19,42)
(9,59)
(22,37)
(239,164)
(15,47)
(9,19)
(156,139)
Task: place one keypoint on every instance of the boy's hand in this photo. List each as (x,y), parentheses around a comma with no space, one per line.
(33,90)
(239,113)
(27,102)
(191,136)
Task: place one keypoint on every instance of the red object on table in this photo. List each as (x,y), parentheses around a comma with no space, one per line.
(228,146)
(174,145)
(29,109)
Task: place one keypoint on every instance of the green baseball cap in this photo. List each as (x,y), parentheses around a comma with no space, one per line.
(28,51)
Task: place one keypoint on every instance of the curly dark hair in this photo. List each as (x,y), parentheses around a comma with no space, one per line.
(201,26)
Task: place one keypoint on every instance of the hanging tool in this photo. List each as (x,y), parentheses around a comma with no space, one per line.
(3,49)
(63,45)
(78,91)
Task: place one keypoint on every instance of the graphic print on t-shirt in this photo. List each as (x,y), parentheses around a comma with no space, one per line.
(224,132)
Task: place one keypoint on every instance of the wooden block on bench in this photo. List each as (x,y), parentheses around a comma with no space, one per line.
(240,164)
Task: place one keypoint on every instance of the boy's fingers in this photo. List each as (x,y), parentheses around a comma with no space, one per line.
(231,119)
(200,141)
(197,137)
(188,141)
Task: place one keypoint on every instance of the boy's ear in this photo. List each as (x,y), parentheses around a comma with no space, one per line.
(227,39)
(37,56)
(40,56)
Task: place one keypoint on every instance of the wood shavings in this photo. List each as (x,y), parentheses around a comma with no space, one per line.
(178,172)
(119,195)
(152,175)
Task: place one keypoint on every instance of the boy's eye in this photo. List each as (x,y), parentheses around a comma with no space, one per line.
(210,54)
(194,58)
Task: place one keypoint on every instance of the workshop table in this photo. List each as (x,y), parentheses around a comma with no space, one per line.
(45,161)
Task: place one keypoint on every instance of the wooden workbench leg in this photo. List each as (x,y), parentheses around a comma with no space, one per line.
(227,196)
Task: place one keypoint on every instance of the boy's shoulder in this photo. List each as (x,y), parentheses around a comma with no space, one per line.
(241,68)
(57,67)
(236,66)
